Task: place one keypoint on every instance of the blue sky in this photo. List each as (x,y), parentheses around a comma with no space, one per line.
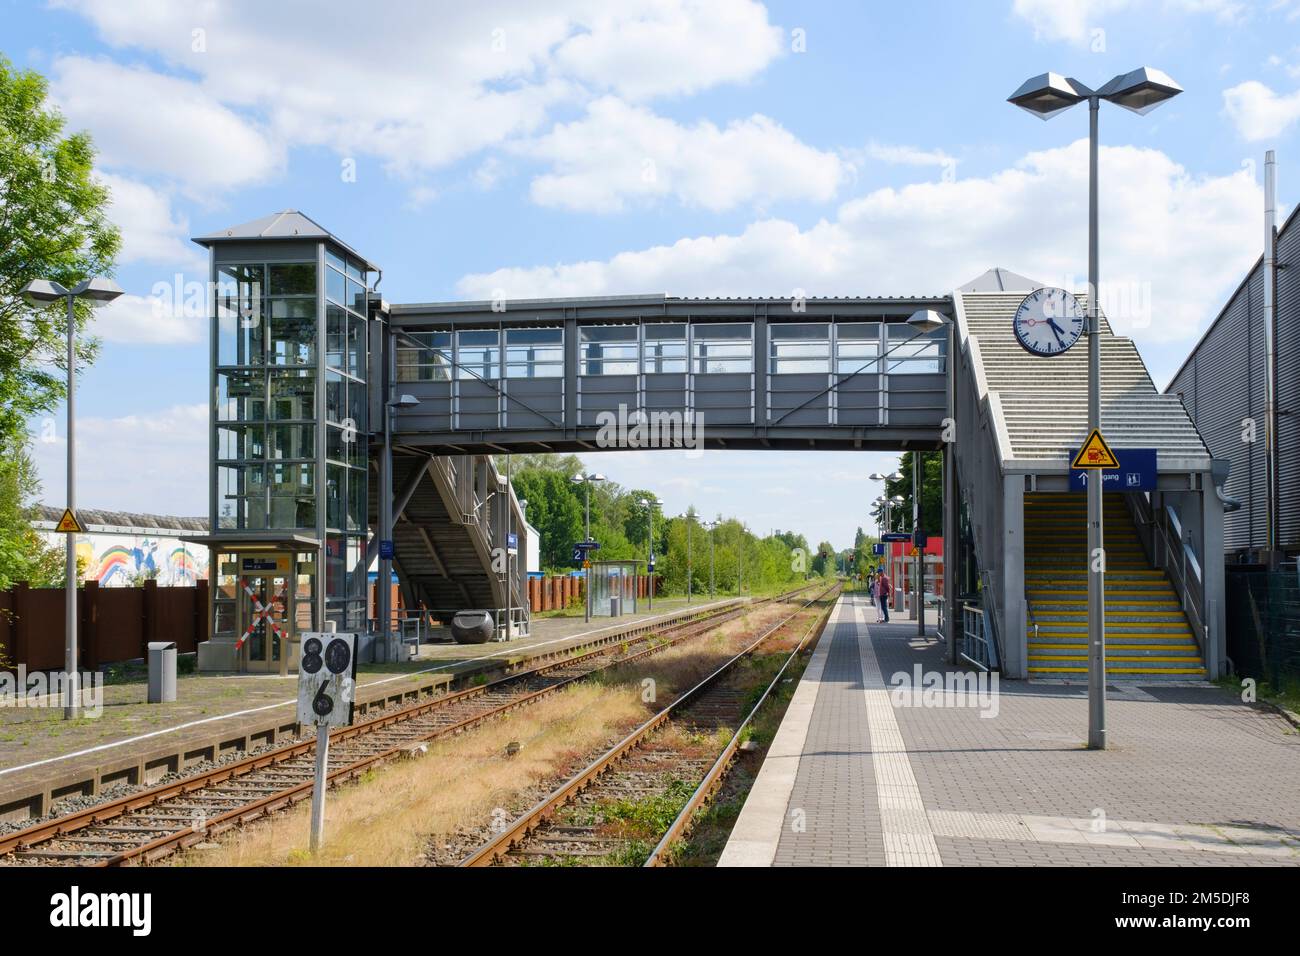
(721,148)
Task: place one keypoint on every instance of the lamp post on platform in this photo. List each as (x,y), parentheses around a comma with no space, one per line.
(1139,91)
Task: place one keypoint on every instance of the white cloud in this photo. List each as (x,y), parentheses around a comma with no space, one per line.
(151,231)
(908,155)
(619,152)
(1179,242)
(145,121)
(1258,112)
(147,320)
(166,471)
(672,48)
(418,90)
(1075,20)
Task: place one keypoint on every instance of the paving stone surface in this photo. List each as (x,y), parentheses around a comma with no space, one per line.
(1191,775)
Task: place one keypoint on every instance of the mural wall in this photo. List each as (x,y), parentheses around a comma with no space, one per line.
(121,560)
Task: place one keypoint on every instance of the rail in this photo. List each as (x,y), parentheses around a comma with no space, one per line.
(977,644)
(1175,554)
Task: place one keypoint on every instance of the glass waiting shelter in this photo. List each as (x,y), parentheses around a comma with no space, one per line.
(613,588)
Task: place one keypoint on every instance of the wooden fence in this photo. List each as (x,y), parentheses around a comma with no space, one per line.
(557,593)
(114,624)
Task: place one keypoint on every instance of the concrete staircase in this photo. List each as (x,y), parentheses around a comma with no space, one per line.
(1147,634)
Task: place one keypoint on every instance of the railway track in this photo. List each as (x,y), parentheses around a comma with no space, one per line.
(603,813)
(150,824)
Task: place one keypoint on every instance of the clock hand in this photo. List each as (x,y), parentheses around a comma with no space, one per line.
(1056,330)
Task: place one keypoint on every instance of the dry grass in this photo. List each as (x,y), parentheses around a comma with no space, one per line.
(390,819)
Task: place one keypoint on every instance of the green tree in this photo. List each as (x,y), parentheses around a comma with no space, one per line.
(555,510)
(24,553)
(52,226)
(931,492)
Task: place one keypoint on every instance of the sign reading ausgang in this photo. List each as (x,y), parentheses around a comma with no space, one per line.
(1136,472)
(326,684)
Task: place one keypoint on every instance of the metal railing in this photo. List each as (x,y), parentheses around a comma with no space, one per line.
(1174,553)
(978,645)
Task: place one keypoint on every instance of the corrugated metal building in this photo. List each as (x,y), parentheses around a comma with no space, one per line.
(1222,385)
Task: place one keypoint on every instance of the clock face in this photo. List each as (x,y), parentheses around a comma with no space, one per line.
(1048,322)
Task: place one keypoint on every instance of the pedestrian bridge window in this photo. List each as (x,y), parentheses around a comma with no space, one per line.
(913,354)
(609,349)
(534,353)
(664,348)
(424,357)
(799,348)
(857,348)
(478,354)
(723,347)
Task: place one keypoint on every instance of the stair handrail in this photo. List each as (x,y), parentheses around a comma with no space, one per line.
(1177,551)
(989,599)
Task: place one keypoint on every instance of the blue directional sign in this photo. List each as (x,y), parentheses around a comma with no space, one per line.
(1136,472)
(512,542)
(878,548)
(386,550)
(582,547)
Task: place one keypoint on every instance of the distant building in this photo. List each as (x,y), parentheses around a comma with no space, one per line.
(122,548)
(1222,386)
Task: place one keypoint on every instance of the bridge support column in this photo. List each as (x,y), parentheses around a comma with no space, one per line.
(951,502)
(1011,600)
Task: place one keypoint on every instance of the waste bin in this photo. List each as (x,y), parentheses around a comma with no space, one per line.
(615,606)
(473,627)
(162,672)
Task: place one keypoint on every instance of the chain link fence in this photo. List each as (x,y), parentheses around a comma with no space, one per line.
(1263,624)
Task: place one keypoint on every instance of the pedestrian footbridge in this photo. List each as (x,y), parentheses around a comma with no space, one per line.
(330,404)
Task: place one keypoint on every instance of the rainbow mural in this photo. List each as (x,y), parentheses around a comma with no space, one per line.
(116,560)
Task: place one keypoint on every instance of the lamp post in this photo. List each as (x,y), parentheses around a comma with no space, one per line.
(710,525)
(1139,91)
(585,479)
(385,576)
(689,519)
(40,293)
(650,504)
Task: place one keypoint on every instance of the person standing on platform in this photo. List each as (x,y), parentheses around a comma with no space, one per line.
(871,592)
(883,590)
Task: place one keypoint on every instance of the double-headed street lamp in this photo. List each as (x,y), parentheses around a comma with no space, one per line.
(41,292)
(586,479)
(650,504)
(689,518)
(1140,91)
(709,526)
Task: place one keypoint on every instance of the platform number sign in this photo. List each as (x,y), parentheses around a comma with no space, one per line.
(326,678)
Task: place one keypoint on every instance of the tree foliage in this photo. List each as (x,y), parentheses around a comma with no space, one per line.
(52,226)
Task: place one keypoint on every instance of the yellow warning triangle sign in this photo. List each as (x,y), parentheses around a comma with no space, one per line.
(1095,453)
(69,523)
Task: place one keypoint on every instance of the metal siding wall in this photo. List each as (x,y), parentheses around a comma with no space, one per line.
(1288,387)
(1222,384)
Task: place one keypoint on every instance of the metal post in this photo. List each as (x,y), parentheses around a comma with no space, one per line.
(1271,498)
(688,560)
(713,592)
(650,555)
(918,571)
(72,697)
(950,505)
(1096,554)
(318,789)
(586,555)
(508,522)
(385,576)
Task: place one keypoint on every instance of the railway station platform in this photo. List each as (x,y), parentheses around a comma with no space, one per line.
(864,773)
(44,758)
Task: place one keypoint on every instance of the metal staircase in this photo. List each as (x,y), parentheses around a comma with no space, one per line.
(449,538)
